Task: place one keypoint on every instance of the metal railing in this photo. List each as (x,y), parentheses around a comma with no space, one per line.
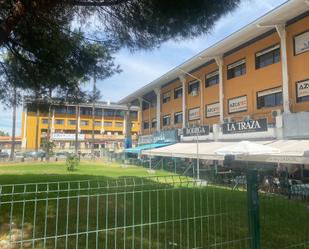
(156,212)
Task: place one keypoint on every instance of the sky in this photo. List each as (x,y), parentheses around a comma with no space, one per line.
(142,67)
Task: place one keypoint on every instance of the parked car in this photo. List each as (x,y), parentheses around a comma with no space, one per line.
(61,155)
(4,155)
(35,154)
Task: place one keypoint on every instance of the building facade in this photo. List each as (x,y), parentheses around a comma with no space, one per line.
(111,126)
(259,73)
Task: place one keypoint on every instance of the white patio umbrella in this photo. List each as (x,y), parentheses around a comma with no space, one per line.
(247,148)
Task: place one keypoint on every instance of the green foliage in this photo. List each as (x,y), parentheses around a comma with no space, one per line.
(3,133)
(43,41)
(72,162)
(48,146)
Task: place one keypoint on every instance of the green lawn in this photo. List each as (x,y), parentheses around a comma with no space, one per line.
(48,172)
(134,212)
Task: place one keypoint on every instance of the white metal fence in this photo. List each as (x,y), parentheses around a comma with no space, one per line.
(155,212)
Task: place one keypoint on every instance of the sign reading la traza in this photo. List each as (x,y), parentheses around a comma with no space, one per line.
(258,125)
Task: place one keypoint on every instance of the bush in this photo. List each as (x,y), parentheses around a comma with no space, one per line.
(72,162)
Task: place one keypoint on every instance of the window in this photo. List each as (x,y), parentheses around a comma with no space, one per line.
(267,57)
(236,69)
(178,118)
(194,87)
(60,110)
(106,123)
(212,79)
(166,97)
(84,122)
(154,123)
(109,113)
(269,98)
(97,123)
(118,124)
(72,110)
(146,125)
(85,111)
(119,113)
(178,93)
(72,122)
(59,121)
(98,112)
(44,121)
(167,120)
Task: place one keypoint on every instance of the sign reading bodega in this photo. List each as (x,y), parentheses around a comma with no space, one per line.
(196,131)
(258,125)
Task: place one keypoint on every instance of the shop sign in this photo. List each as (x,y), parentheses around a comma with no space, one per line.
(303,88)
(67,137)
(301,43)
(196,131)
(258,125)
(167,136)
(238,104)
(212,110)
(194,114)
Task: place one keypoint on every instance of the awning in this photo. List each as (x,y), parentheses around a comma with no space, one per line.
(139,149)
(204,150)
(291,151)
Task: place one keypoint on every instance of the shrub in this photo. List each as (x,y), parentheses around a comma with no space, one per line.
(72,162)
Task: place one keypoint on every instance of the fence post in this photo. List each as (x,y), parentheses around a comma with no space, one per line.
(253,209)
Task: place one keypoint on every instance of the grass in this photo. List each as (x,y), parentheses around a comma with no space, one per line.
(152,214)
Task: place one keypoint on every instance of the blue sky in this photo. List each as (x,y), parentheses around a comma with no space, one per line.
(142,67)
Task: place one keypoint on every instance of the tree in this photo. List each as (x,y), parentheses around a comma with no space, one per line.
(11,97)
(3,133)
(39,33)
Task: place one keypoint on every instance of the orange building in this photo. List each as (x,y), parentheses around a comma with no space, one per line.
(258,72)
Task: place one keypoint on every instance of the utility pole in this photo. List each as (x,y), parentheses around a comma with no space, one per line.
(12,155)
(93,114)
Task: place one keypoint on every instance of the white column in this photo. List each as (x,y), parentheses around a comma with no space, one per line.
(219,61)
(182,79)
(140,115)
(285,76)
(158,109)
(24,140)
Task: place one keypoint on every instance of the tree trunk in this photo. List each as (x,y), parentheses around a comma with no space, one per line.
(76,129)
(12,156)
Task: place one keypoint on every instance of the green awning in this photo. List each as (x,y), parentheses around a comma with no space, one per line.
(139,149)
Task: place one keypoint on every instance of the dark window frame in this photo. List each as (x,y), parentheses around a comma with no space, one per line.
(166,99)
(145,125)
(276,56)
(192,83)
(209,81)
(231,72)
(276,95)
(166,117)
(177,114)
(177,90)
